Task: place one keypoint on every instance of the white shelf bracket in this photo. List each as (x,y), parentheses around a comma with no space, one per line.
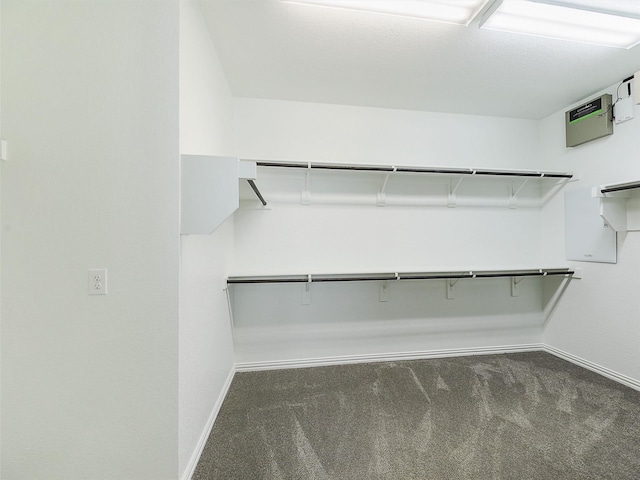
(613,211)
(453,188)
(559,185)
(306,194)
(306,292)
(229,306)
(384,291)
(381,198)
(619,205)
(513,201)
(451,288)
(4,155)
(515,286)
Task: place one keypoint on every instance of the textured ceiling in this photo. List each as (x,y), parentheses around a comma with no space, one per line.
(276,50)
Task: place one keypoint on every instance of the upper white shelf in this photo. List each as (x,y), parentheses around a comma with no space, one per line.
(414,169)
(620,205)
(330,181)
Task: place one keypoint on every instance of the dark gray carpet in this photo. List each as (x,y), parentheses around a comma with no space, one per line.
(514,416)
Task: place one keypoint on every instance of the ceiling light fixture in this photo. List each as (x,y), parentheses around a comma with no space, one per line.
(573,20)
(460,12)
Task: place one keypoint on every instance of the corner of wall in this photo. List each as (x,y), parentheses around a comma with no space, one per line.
(206,344)
(594,318)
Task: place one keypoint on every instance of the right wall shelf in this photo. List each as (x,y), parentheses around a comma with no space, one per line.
(620,205)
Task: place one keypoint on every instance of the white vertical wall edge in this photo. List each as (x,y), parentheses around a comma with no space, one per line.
(4,150)
(195,457)
(594,367)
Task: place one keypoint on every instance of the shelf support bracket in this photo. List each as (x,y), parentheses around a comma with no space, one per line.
(381,198)
(306,194)
(515,286)
(384,291)
(453,188)
(451,288)
(513,203)
(613,211)
(227,291)
(306,292)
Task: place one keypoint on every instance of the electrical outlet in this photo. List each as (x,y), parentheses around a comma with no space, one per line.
(98,281)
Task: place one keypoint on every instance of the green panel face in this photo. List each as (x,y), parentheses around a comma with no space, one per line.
(589,121)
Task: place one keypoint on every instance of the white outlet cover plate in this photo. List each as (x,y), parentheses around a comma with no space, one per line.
(97,281)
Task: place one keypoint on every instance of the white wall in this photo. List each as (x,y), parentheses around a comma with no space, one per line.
(391,237)
(323,237)
(308,131)
(597,319)
(90,110)
(206,347)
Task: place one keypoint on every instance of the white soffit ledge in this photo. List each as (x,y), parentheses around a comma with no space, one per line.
(460,12)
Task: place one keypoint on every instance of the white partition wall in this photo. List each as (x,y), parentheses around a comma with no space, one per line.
(90,113)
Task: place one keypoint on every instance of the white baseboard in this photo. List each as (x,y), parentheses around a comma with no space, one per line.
(594,367)
(195,457)
(453,352)
(385,357)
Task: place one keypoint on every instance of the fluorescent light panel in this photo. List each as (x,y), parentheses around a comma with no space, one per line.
(562,22)
(623,8)
(460,12)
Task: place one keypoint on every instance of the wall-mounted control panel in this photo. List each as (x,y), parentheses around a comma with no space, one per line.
(589,121)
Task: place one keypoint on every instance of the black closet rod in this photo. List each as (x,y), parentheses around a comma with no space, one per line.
(618,188)
(484,275)
(400,276)
(325,166)
(524,174)
(386,168)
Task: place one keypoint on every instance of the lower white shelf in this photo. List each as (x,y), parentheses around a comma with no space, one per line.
(282,318)
(451,278)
